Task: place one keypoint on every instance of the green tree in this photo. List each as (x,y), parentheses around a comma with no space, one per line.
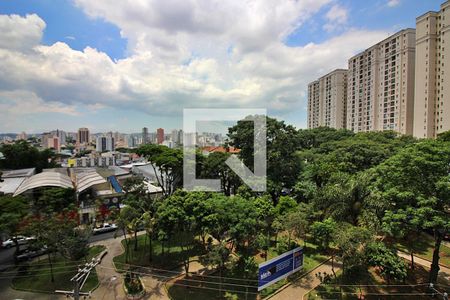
(54,199)
(176,218)
(217,257)
(214,167)
(387,260)
(12,212)
(283,166)
(285,205)
(167,165)
(416,182)
(22,154)
(400,225)
(351,242)
(323,232)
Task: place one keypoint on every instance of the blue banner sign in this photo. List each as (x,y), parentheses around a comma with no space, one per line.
(279,267)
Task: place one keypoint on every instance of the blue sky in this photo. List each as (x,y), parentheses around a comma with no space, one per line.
(220,62)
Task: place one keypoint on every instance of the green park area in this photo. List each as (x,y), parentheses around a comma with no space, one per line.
(355,197)
(37,276)
(423,247)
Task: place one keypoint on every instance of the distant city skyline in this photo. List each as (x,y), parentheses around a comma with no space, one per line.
(75,64)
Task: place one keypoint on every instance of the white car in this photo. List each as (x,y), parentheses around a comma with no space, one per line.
(105,228)
(20,239)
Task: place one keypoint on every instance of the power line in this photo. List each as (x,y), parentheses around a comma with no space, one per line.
(179,273)
(203,287)
(185,279)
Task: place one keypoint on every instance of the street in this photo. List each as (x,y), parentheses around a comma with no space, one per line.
(7,259)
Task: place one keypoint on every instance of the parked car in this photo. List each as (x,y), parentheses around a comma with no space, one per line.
(105,228)
(31,253)
(20,239)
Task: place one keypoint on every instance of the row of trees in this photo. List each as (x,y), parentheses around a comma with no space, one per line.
(381,182)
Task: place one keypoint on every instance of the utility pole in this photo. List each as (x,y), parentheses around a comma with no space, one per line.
(80,278)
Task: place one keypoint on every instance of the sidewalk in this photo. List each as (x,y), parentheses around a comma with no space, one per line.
(111,282)
(443,271)
(305,284)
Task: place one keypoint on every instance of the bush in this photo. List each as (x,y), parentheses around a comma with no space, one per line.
(133,284)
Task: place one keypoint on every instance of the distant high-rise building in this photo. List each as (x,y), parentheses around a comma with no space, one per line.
(21,136)
(160,135)
(105,143)
(100,144)
(145,139)
(50,141)
(432,89)
(83,136)
(381,85)
(110,142)
(327,98)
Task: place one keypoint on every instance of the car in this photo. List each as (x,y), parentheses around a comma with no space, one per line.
(105,228)
(21,240)
(31,253)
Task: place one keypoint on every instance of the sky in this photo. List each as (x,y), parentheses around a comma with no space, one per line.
(120,65)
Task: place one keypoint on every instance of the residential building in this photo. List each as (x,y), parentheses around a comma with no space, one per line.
(160,135)
(105,143)
(50,141)
(381,85)
(145,138)
(83,136)
(327,99)
(432,90)
(21,136)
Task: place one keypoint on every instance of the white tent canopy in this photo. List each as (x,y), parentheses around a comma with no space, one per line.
(81,181)
(45,179)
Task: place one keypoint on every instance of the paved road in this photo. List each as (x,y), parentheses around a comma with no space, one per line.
(7,259)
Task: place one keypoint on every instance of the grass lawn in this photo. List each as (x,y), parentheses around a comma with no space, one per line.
(36,276)
(423,247)
(233,281)
(419,276)
(170,259)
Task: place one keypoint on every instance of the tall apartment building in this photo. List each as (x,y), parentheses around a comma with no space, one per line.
(381,85)
(432,91)
(160,135)
(105,143)
(327,99)
(145,139)
(83,136)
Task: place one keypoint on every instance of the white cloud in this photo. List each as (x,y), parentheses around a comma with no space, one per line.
(23,103)
(20,33)
(393,3)
(199,54)
(336,16)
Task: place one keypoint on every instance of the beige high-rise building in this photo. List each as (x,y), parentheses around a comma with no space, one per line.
(83,136)
(327,100)
(432,91)
(381,85)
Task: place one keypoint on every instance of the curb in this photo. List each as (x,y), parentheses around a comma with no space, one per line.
(290,283)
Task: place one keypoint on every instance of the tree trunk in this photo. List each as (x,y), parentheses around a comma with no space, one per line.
(17,246)
(135,241)
(51,266)
(412,260)
(435,264)
(332,267)
(150,245)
